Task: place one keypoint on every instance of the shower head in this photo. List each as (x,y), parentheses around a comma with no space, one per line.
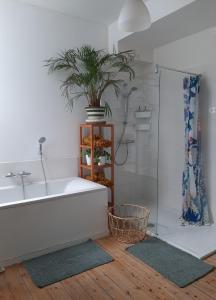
(133,89)
(42,140)
(126,91)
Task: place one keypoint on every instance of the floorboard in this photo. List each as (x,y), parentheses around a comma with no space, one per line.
(124,278)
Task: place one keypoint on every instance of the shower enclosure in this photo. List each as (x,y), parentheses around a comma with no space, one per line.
(136,115)
(149,121)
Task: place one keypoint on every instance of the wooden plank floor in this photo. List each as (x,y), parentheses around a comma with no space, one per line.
(124,278)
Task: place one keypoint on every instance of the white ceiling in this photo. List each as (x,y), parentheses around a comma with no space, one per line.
(105,11)
(101,11)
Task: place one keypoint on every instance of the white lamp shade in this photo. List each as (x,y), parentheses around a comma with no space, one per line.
(134,16)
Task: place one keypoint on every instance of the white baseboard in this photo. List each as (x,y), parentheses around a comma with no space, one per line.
(26,256)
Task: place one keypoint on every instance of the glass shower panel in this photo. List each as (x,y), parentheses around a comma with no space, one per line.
(136,123)
(171,152)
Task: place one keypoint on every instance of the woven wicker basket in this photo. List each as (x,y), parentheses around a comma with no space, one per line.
(128,223)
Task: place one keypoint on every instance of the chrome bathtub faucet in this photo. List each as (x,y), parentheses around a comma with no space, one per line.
(22,175)
(10,175)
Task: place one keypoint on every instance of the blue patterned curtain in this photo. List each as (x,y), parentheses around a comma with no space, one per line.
(195,206)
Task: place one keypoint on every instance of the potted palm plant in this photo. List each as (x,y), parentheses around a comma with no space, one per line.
(89,73)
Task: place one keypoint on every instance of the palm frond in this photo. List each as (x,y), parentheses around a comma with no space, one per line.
(114,83)
(108,111)
(91,71)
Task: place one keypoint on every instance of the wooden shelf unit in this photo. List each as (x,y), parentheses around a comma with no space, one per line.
(91,130)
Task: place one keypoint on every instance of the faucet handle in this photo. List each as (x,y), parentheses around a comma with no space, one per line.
(24,173)
(10,175)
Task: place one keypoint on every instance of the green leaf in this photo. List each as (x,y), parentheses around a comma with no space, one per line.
(91,71)
(108,111)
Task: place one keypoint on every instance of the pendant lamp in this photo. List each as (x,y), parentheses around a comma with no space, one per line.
(134,16)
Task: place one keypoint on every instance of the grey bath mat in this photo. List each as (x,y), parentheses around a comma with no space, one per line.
(174,264)
(54,267)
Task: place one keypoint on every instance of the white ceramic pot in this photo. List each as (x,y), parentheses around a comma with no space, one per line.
(102,160)
(95,114)
(88,160)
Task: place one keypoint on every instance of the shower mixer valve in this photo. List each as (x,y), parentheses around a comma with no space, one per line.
(126,142)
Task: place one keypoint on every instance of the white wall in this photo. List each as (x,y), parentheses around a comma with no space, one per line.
(31,102)
(157,9)
(195,53)
(143,53)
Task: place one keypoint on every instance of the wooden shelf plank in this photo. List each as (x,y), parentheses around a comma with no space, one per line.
(99,147)
(85,146)
(88,167)
(111,187)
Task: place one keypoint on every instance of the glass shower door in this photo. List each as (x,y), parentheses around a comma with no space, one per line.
(136,179)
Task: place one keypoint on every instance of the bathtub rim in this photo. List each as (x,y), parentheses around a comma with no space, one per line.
(38,200)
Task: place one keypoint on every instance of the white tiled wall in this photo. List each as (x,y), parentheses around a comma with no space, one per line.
(56,168)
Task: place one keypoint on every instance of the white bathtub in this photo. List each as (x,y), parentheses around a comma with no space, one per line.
(74,210)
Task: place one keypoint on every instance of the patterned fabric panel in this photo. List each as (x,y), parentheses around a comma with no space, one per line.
(195,206)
